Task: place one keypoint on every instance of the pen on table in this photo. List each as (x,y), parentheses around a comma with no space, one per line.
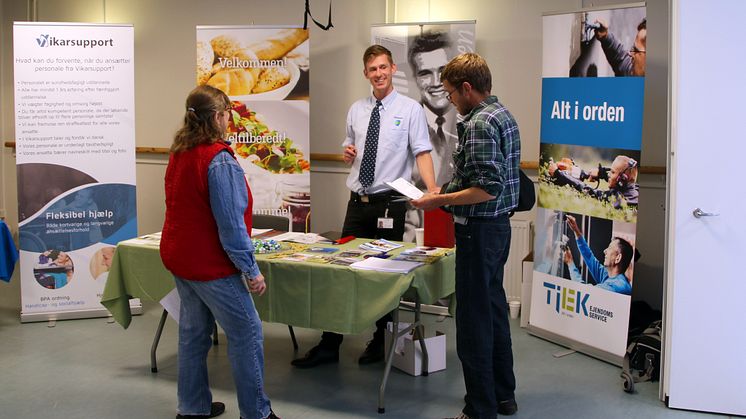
(344,240)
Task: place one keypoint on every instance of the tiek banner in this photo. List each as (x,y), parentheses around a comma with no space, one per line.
(265,72)
(591,130)
(420,51)
(75,141)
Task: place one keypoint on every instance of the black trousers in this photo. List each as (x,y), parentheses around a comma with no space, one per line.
(361,221)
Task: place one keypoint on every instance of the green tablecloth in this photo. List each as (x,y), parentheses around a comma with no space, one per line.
(317,296)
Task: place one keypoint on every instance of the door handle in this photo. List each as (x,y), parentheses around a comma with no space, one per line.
(697,213)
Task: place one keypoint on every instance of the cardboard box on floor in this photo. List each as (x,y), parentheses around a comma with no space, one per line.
(408,354)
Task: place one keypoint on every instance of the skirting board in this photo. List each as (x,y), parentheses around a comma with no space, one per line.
(577,346)
(73,314)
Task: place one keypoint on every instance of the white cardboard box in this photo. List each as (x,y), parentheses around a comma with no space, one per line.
(408,354)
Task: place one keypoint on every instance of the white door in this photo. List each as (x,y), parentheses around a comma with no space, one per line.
(705,330)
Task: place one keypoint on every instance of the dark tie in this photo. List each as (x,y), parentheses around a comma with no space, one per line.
(368,165)
(440,120)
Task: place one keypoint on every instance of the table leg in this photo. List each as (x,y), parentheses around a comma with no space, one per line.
(156,339)
(389,360)
(292,336)
(420,331)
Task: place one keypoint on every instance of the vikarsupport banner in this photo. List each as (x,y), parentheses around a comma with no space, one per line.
(75,154)
(591,133)
(420,51)
(265,72)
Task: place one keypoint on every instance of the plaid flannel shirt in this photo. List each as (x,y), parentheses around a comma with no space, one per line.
(488,157)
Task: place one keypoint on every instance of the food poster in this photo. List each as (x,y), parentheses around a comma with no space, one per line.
(75,156)
(265,72)
(591,135)
(420,52)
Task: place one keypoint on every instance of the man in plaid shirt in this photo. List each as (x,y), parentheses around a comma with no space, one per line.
(483,191)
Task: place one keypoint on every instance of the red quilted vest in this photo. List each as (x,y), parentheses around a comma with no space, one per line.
(190,246)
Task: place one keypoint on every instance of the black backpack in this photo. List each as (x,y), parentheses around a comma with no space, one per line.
(642,362)
(526,193)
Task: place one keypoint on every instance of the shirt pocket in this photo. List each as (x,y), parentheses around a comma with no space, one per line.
(395,134)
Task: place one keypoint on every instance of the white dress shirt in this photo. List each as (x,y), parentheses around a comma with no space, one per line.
(403,135)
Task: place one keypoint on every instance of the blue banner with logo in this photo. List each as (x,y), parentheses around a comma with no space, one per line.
(75,155)
(591,135)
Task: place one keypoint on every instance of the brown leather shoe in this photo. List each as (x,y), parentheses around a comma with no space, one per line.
(216,409)
(318,355)
(507,407)
(373,353)
(271,416)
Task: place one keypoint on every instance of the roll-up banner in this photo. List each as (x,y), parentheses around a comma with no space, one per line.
(265,72)
(75,154)
(420,51)
(591,131)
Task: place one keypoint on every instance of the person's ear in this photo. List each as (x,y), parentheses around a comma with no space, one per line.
(618,258)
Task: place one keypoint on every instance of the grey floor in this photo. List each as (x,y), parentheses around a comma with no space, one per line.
(94,369)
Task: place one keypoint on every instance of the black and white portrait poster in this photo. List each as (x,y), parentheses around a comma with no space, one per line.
(420,52)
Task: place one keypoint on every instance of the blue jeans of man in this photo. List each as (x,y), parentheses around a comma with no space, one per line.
(228,301)
(483,339)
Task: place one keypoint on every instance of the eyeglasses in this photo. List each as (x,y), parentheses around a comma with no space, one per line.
(448,95)
(635,50)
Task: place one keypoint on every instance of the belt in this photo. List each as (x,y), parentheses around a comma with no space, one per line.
(372,198)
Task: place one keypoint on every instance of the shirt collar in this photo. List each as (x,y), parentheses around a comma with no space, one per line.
(385,102)
(487,101)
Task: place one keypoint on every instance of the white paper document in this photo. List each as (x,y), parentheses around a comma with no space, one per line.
(259,231)
(172,304)
(385,265)
(304,238)
(405,188)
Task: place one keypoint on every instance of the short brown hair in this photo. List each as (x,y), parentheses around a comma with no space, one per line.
(468,67)
(199,125)
(374,51)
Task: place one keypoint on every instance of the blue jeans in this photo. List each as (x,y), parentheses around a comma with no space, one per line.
(228,301)
(482,329)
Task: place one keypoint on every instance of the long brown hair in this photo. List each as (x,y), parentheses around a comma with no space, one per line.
(200,125)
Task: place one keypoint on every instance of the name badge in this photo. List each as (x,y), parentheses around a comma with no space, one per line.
(385,223)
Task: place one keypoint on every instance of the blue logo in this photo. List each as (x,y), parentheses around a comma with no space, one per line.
(566,299)
(42,40)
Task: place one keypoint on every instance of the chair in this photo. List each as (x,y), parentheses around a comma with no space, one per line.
(275,222)
(279,223)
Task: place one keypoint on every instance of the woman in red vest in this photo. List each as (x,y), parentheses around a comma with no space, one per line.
(206,245)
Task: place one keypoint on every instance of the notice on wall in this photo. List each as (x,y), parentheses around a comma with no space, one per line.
(75,155)
(265,70)
(586,220)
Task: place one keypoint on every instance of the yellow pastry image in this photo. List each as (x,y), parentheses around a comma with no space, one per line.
(205,58)
(257,67)
(234,81)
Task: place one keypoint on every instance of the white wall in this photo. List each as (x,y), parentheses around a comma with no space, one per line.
(508,35)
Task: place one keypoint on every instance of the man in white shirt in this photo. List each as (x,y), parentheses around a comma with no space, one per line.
(386,135)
